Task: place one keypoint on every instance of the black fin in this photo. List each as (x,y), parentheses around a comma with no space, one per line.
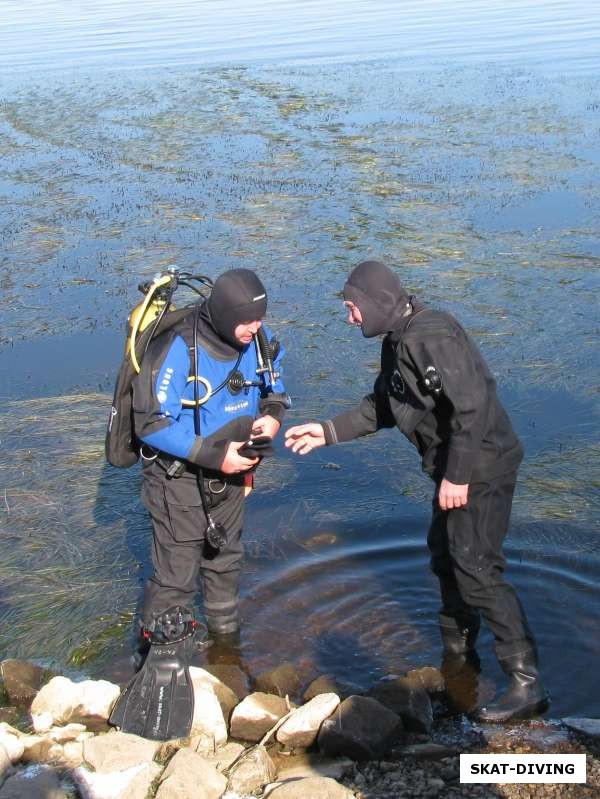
(158,703)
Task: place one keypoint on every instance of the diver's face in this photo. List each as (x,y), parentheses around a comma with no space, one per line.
(245,332)
(354,315)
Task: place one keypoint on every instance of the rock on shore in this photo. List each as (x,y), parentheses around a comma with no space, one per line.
(262,745)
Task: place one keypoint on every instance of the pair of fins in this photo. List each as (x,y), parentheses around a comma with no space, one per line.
(158,703)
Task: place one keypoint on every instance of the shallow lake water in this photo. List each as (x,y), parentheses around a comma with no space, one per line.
(470,162)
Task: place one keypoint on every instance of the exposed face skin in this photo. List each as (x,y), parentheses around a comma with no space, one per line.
(245,332)
(354,315)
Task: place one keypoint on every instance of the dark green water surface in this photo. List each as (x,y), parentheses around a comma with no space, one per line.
(480,183)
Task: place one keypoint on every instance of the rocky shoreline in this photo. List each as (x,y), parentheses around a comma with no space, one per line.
(270,740)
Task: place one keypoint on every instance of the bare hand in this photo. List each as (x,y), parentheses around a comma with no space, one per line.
(234,463)
(266,426)
(303,438)
(452,495)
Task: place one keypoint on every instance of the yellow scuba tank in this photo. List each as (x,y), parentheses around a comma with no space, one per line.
(121,446)
(143,315)
(147,311)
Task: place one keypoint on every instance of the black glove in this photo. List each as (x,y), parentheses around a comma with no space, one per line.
(259,447)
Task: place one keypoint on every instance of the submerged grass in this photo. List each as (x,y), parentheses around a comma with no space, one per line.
(68,524)
(483,188)
(563,485)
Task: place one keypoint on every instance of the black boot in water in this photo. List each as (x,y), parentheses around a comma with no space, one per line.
(460,664)
(459,636)
(525,696)
(461,681)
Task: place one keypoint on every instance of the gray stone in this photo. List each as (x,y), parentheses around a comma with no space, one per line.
(302,727)
(427,751)
(208,721)
(310,788)
(61,701)
(411,703)
(38,749)
(202,743)
(188,770)
(224,757)
(180,786)
(325,684)
(228,699)
(34,782)
(70,732)
(133,783)
(12,740)
(256,715)
(5,762)
(282,681)
(590,727)
(73,754)
(361,728)
(232,676)
(22,680)
(118,751)
(428,678)
(314,765)
(252,772)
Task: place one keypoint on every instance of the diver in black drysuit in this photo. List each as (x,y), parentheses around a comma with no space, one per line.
(435,386)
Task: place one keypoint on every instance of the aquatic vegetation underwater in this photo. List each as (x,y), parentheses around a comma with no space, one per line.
(482,186)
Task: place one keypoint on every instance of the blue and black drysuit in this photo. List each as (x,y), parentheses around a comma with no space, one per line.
(167,429)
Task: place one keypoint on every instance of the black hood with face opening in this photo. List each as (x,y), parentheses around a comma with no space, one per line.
(379,296)
(237,297)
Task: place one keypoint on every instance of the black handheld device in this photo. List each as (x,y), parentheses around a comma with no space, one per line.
(259,447)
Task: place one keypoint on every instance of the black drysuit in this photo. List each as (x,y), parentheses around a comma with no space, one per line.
(463,434)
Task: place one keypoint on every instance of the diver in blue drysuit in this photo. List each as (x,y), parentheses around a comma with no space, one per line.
(173,451)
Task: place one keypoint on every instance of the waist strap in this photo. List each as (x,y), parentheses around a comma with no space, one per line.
(216,482)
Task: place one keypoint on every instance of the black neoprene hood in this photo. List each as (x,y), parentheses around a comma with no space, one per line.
(238,297)
(379,296)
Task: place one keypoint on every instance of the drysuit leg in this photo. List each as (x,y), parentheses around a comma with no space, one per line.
(475,534)
(180,552)
(176,549)
(459,623)
(220,571)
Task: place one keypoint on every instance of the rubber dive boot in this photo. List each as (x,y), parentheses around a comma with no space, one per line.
(459,635)
(221,602)
(220,626)
(461,681)
(525,696)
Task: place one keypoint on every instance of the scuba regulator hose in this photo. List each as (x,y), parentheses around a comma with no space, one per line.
(216,535)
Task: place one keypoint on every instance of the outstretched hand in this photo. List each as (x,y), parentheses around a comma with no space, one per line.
(303,438)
